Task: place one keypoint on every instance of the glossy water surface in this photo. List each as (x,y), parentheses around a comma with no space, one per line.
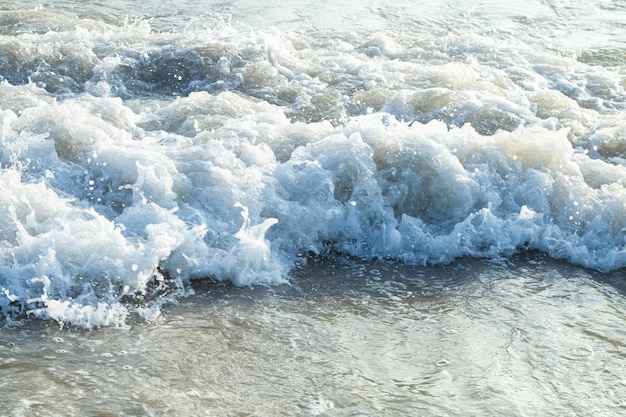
(526,337)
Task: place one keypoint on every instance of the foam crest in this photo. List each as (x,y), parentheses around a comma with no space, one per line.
(133,160)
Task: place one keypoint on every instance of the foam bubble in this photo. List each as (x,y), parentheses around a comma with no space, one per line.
(133,160)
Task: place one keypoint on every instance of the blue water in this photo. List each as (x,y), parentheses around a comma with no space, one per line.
(414,207)
(145,149)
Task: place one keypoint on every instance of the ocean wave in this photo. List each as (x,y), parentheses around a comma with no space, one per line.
(133,161)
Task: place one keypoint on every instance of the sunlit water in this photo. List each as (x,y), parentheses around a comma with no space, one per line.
(312,208)
(525,337)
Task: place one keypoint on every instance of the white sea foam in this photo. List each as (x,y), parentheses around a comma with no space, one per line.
(134,161)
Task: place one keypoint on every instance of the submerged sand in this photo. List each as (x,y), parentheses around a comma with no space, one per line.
(528,336)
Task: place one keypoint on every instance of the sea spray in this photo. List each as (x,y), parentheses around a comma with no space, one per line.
(134,160)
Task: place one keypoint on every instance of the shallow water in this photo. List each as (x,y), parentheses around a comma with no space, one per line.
(524,337)
(141,150)
(312,208)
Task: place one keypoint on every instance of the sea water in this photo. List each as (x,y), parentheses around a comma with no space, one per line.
(309,208)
